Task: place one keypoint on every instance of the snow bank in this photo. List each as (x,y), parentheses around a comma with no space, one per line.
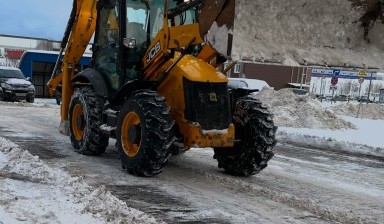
(291,110)
(335,141)
(39,102)
(369,111)
(325,32)
(34,192)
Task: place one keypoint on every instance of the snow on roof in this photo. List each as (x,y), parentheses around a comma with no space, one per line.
(51,52)
(249,83)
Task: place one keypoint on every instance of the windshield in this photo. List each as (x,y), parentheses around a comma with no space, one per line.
(186,17)
(11,73)
(137,20)
(237,84)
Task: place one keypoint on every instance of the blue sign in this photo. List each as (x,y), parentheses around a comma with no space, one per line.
(336,72)
(344,74)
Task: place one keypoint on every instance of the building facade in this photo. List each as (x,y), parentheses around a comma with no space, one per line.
(13,47)
(276,75)
(38,66)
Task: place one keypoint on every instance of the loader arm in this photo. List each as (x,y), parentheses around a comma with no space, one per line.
(79,31)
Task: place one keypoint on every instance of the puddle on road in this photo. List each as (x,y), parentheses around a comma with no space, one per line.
(160,205)
(36,145)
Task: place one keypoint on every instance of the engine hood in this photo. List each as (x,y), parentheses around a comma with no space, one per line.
(15,81)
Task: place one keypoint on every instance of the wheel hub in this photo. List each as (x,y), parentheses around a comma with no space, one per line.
(131,134)
(78,122)
(134,134)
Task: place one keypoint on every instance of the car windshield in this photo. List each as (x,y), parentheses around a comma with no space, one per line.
(10,73)
(237,84)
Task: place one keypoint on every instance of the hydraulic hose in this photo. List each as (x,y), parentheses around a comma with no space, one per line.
(67,33)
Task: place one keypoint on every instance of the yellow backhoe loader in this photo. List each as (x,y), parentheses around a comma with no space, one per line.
(156,86)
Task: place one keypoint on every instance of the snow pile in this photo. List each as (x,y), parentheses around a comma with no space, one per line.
(24,164)
(46,103)
(291,110)
(32,191)
(325,32)
(334,141)
(368,111)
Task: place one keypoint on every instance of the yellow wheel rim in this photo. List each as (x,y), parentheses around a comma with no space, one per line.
(131,134)
(77,127)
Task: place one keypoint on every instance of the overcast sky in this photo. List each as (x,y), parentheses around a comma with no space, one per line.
(35,18)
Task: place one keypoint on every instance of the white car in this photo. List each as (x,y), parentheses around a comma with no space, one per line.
(243,83)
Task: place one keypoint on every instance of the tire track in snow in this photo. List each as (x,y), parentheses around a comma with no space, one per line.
(305,204)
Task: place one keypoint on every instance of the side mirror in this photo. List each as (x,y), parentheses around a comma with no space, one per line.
(28,78)
(129,42)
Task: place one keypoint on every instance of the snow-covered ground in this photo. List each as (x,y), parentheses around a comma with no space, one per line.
(345,126)
(303,184)
(313,32)
(32,191)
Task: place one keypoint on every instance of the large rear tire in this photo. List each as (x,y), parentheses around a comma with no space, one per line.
(144,133)
(85,119)
(255,132)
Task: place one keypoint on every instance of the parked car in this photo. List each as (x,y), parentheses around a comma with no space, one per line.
(14,85)
(365,99)
(247,83)
(298,91)
(342,98)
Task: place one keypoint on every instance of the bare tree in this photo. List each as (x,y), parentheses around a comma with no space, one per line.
(366,90)
(376,87)
(347,87)
(45,45)
(10,62)
(355,88)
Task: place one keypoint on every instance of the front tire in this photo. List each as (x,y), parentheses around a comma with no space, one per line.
(255,130)
(144,133)
(30,99)
(85,119)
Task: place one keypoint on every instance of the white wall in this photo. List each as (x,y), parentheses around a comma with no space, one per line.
(18,43)
(26,44)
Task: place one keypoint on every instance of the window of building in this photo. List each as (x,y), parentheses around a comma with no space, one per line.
(237,68)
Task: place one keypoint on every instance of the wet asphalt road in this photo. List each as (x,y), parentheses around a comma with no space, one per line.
(301,185)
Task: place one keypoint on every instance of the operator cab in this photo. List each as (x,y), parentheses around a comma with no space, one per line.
(120,44)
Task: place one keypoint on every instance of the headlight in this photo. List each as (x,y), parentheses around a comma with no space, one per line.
(31,88)
(6,86)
